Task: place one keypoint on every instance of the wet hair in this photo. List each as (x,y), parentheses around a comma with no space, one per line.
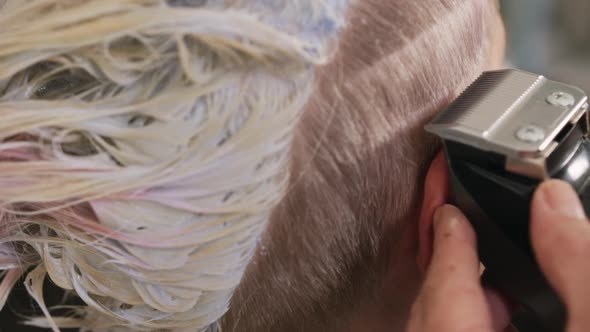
(358,162)
(143,144)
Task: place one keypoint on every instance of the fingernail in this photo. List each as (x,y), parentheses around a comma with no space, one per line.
(448,215)
(560,198)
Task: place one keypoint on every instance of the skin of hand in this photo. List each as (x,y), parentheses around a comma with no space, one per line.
(452,298)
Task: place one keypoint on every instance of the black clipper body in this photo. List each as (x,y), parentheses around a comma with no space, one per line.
(509,131)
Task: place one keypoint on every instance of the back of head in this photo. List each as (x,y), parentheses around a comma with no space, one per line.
(339,247)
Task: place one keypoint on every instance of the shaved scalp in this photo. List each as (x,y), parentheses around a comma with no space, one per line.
(357,166)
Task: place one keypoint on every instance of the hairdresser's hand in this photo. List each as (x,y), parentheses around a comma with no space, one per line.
(560,234)
(452,298)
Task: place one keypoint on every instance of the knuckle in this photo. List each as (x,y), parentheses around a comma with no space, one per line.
(465,292)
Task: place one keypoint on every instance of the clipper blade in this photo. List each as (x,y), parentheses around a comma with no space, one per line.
(499,104)
(515,114)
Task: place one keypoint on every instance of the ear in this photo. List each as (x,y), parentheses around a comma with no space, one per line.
(436,194)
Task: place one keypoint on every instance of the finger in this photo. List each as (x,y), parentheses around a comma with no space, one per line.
(560,236)
(452,297)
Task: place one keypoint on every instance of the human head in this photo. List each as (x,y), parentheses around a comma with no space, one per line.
(340,251)
(333,240)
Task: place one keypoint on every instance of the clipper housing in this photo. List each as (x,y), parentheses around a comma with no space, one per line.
(502,137)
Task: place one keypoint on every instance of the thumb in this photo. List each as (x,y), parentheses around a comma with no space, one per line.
(560,235)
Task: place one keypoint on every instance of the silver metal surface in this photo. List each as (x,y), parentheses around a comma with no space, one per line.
(561,99)
(533,167)
(512,113)
(530,134)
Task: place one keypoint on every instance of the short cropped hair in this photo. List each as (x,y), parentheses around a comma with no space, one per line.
(358,162)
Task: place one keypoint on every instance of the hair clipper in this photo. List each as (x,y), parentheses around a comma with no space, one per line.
(509,131)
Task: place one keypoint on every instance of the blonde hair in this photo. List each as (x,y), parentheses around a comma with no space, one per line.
(143,144)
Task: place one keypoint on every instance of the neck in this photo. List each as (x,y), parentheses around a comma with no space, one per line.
(389,308)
